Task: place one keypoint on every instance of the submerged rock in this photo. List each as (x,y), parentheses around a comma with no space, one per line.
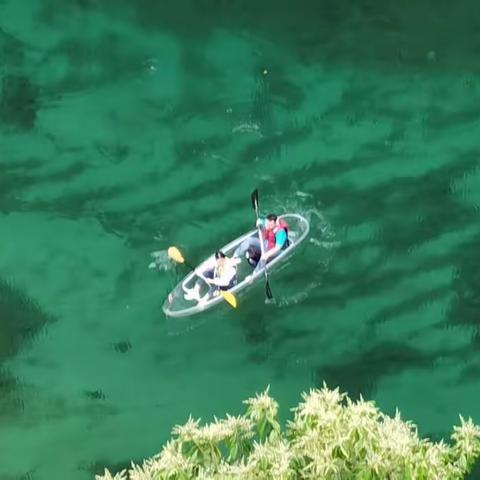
(95,394)
(21,319)
(18,102)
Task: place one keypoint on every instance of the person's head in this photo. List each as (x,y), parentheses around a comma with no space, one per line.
(271,221)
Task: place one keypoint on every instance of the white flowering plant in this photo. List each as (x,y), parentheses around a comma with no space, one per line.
(330,437)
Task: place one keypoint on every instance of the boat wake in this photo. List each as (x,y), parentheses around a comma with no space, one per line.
(318,253)
(161,261)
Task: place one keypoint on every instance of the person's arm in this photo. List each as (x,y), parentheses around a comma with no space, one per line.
(209,264)
(270,253)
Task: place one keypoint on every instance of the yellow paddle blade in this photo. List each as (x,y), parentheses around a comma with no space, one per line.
(174,254)
(230,298)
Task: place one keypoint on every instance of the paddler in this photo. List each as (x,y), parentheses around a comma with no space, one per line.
(220,271)
(274,237)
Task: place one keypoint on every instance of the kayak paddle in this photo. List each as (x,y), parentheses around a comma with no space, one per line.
(255,207)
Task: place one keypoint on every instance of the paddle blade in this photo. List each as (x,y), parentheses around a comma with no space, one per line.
(255,200)
(174,254)
(230,298)
(268,291)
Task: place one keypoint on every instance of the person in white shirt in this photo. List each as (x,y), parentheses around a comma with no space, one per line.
(220,271)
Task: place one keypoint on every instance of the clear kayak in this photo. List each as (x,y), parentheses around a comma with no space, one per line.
(186,299)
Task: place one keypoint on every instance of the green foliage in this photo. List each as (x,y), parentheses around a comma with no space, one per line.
(330,437)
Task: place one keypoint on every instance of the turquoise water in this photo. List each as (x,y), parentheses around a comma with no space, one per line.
(127,127)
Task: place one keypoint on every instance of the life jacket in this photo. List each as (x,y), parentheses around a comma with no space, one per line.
(269,235)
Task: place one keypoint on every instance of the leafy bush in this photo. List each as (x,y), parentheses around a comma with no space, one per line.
(330,437)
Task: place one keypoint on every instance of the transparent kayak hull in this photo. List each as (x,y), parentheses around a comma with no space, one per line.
(181,303)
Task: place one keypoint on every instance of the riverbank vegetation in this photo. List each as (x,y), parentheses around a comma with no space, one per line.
(330,436)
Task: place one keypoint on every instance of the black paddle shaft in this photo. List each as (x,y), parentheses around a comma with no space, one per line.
(254,198)
(255,201)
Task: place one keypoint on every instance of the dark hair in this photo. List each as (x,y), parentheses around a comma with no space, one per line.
(272,216)
(219,254)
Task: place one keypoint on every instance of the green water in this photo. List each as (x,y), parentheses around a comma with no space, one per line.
(126,127)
